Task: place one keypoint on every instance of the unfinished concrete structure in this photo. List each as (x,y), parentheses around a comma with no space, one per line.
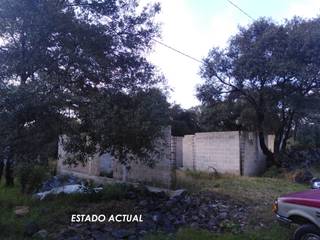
(227,152)
(105,168)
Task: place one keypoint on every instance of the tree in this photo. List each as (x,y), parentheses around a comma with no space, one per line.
(183,121)
(126,126)
(60,57)
(274,69)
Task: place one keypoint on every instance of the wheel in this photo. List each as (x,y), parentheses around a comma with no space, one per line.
(307,232)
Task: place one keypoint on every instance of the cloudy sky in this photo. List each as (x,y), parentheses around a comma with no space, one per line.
(195,26)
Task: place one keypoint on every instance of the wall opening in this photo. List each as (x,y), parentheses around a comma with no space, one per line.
(106,165)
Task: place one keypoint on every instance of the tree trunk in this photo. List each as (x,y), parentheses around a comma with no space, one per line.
(9,173)
(270,157)
(271,160)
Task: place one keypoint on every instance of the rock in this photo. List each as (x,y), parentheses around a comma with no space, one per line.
(121,233)
(143,203)
(69,233)
(222,215)
(194,225)
(133,237)
(97,235)
(72,238)
(212,224)
(30,229)
(21,210)
(167,214)
(42,234)
(168,226)
(157,217)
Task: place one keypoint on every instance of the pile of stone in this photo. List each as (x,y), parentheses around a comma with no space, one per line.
(167,213)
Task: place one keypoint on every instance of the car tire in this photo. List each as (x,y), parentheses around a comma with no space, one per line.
(307,232)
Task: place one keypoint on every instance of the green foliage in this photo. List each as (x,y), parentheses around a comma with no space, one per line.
(202,175)
(64,70)
(183,121)
(275,232)
(308,136)
(271,69)
(273,172)
(53,214)
(31,176)
(108,193)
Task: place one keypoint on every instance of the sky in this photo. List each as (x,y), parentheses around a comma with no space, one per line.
(196,26)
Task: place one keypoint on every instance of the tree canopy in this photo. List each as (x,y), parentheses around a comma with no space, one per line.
(274,69)
(184,121)
(68,66)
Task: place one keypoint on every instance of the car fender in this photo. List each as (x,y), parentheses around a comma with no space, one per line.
(304,212)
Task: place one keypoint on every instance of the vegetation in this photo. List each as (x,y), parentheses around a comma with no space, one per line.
(272,71)
(54,212)
(77,68)
(276,232)
(259,193)
(183,121)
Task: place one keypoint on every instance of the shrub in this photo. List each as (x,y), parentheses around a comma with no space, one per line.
(273,172)
(109,192)
(31,177)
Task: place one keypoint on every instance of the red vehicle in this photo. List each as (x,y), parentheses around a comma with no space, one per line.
(301,208)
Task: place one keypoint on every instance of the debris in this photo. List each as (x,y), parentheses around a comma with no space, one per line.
(31,228)
(67,189)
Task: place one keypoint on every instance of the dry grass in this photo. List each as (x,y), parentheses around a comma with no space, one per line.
(257,192)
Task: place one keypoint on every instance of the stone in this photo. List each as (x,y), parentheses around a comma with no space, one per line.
(72,238)
(133,237)
(157,217)
(42,234)
(31,228)
(121,233)
(69,233)
(194,225)
(168,226)
(21,210)
(199,210)
(143,203)
(97,235)
(222,215)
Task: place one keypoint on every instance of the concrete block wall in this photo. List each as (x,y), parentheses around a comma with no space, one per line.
(219,150)
(176,150)
(254,161)
(228,152)
(161,174)
(188,153)
(252,157)
(91,167)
